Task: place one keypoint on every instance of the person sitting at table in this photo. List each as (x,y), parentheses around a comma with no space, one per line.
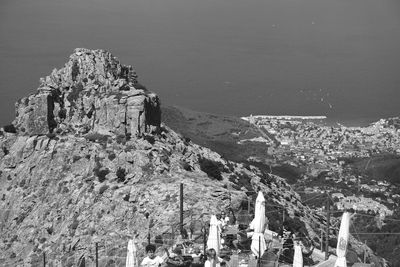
(242,242)
(151,259)
(231,217)
(176,259)
(212,259)
(224,219)
(197,257)
(220,223)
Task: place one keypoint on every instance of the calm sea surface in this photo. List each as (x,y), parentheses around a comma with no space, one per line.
(339,58)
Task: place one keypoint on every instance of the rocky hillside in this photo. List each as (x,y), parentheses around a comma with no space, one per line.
(87,159)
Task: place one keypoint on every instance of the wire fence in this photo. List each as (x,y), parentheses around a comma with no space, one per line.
(108,253)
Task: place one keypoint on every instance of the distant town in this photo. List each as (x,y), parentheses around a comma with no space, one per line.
(306,142)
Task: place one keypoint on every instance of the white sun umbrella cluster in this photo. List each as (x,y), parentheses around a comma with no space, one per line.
(258,245)
(214,235)
(131,257)
(343,239)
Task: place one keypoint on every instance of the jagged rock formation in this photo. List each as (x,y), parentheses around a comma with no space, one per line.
(93,92)
(70,179)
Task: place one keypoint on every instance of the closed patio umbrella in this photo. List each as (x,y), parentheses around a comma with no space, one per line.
(131,257)
(258,245)
(343,239)
(298,256)
(214,238)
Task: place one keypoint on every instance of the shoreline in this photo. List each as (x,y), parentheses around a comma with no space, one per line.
(348,122)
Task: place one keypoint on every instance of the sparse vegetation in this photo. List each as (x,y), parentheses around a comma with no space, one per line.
(103,188)
(121,174)
(111,156)
(121,139)
(149,138)
(212,168)
(75,158)
(74,70)
(10,128)
(97,137)
(186,166)
(100,172)
(148,168)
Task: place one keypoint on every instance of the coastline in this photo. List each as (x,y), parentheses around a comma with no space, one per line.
(329,121)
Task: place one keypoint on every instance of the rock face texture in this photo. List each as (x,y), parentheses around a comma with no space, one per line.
(91,163)
(93,92)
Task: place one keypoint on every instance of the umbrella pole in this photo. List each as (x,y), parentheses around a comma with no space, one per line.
(259,251)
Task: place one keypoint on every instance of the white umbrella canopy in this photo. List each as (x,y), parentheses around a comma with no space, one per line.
(131,257)
(258,245)
(214,238)
(343,239)
(298,256)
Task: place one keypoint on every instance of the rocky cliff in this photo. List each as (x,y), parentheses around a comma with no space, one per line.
(90,162)
(93,92)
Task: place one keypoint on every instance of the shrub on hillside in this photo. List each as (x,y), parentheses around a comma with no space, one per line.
(212,168)
(150,139)
(96,137)
(100,172)
(103,188)
(121,173)
(186,166)
(10,128)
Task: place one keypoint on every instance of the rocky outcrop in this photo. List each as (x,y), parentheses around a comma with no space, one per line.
(93,92)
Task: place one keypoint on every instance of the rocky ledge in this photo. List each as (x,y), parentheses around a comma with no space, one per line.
(93,92)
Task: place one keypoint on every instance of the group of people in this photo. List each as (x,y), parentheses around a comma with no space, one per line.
(235,235)
(176,258)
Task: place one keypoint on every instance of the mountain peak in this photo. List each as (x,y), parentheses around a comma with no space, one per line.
(92,68)
(93,92)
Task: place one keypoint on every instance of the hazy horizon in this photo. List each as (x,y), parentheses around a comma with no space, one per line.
(338,58)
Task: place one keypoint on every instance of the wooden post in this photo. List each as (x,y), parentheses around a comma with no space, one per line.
(328,218)
(365,250)
(44,259)
(322,241)
(173,234)
(204,239)
(181,209)
(97,254)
